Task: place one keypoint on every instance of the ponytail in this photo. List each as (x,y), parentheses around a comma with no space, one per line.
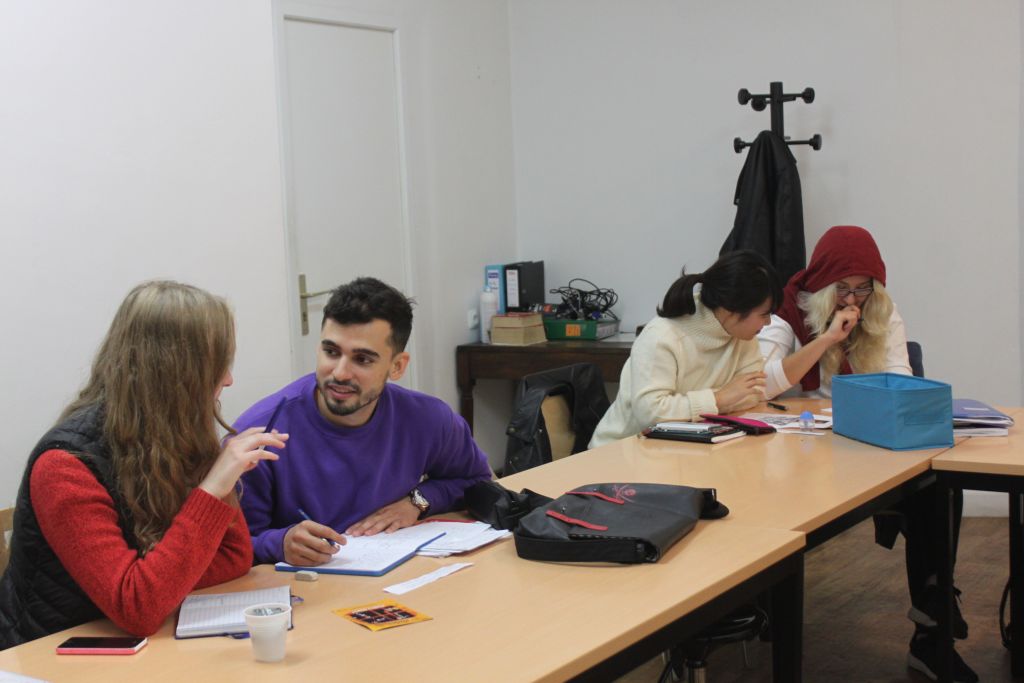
(739,282)
(679,298)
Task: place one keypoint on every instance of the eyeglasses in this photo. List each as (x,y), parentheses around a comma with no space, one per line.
(860,292)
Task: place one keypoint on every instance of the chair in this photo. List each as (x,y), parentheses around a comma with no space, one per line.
(916,358)
(557,416)
(688,660)
(554,415)
(6,527)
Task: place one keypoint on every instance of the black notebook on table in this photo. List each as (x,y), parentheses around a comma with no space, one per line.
(700,432)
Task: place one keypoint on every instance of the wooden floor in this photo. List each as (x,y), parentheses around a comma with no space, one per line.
(855,605)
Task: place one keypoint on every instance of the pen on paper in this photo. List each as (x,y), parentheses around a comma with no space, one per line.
(308,519)
(777,406)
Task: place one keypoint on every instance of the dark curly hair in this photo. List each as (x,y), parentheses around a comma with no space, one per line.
(366,299)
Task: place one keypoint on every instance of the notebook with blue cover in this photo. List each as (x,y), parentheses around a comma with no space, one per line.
(373,555)
(970,411)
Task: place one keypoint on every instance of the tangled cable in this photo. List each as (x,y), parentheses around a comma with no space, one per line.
(585,304)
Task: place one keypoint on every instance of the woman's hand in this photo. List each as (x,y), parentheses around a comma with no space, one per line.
(241,453)
(842,324)
(739,389)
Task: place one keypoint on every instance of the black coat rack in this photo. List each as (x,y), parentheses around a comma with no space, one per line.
(776,98)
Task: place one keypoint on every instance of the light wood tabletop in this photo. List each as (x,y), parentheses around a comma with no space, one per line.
(783,481)
(1002,455)
(503,619)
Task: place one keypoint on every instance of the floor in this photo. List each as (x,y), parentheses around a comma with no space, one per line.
(855,625)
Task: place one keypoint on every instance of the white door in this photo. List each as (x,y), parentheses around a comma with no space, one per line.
(343,156)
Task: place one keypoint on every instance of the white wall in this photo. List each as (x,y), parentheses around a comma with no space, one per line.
(459,117)
(624,116)
(141,141)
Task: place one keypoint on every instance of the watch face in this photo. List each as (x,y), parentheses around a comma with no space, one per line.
(418,500)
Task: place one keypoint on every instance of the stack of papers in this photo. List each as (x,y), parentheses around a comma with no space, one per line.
(790,424)
(974,418)
(460,537)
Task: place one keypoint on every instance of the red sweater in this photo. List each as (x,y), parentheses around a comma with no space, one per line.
(207,543)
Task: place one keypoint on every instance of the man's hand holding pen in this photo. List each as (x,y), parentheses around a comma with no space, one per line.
(310,543)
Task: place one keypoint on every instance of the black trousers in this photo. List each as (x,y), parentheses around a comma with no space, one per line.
(918,520)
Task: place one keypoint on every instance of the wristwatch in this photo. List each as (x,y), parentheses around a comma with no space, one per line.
(419,501)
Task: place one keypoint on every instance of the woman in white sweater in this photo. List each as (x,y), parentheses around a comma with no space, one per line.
(700,354)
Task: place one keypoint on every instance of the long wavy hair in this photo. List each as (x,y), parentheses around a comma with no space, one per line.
(866,346)
(155,378)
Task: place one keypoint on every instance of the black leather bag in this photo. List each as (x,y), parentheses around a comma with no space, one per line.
(491,502)
(628,523)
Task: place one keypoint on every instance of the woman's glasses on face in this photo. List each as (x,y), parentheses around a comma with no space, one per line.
(860,292)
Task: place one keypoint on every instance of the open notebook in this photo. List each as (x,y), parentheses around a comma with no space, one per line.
(220,614)
(374,555)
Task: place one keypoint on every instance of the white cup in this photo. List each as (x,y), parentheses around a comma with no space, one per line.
(268,627)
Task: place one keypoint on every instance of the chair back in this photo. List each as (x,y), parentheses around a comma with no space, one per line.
(916,358)
(6,528)
(558,421)
(555,414)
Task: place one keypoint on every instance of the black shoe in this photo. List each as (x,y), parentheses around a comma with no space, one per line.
(932,602)
(924,657)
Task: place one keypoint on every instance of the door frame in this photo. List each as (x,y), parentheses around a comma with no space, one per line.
(324,13)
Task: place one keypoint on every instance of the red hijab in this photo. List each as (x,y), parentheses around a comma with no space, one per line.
(843,251)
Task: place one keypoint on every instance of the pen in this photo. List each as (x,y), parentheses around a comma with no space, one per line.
(308,519)
(273,419)
(777,406)
(273,415)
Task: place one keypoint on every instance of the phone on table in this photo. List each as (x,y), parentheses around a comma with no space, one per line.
(101,645)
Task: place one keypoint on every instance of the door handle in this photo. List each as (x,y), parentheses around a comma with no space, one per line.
(303,306)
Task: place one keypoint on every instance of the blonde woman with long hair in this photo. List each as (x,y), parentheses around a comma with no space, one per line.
(129,502)
(836,318)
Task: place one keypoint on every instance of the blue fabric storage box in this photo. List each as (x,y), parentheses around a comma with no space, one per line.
(893,411)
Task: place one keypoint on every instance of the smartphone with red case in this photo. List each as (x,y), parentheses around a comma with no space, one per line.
(101,645)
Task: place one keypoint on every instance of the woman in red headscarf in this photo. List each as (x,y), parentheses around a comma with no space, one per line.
(836,318)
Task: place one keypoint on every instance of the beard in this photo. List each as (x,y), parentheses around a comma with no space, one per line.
(357,401)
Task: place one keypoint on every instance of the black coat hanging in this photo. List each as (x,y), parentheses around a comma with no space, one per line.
(769,205)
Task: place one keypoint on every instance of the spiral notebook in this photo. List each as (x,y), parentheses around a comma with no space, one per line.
(221,614)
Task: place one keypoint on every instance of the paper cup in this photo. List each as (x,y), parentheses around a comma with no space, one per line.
(268,628)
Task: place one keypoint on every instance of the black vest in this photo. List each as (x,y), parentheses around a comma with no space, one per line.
(37,595)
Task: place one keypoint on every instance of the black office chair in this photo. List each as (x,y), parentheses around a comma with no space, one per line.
(916,358)
(555,415)
(889,522)
(688,661)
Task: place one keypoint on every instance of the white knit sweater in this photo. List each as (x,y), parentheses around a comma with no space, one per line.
(674,368)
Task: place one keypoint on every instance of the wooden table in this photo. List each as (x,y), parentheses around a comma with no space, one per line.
(988,464)
(503,619)
(507,619)
(496,361)
(819,485)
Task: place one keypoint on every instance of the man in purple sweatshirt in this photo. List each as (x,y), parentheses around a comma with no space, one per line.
(364,456)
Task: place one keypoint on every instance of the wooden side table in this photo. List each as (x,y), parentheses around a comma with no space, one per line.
(494,361)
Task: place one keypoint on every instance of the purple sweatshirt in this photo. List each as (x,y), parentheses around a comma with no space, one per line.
(341,475)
